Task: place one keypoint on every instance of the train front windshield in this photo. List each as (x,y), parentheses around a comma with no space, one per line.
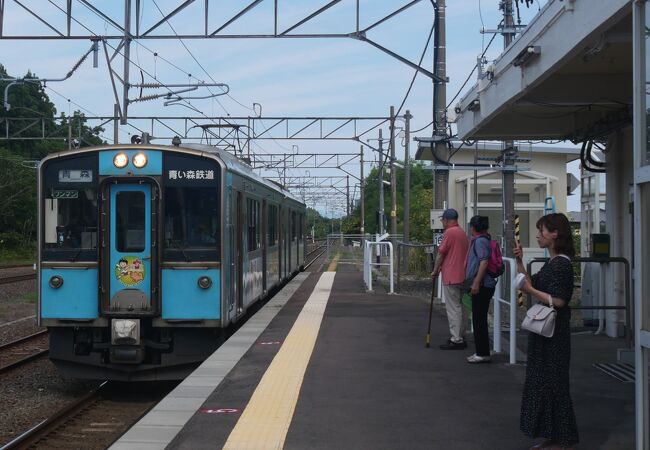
(192,221)
(70,209)
(191,224)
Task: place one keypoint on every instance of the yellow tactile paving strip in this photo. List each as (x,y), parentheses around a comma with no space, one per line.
(265,421)
(334,263)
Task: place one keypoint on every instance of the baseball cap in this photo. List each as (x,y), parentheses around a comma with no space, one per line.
(450,214)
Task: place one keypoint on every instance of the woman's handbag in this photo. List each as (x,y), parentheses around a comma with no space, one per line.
(540,319)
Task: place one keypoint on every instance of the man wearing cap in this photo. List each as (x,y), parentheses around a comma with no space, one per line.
(451,262)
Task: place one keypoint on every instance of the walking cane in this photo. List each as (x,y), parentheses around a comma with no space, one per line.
(433,290)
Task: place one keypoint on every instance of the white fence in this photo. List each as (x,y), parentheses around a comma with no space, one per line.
(368,263)
(513,311)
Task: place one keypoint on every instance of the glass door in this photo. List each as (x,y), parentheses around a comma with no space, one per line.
(130,267)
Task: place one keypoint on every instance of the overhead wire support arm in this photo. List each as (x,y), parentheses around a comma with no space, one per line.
(17,81)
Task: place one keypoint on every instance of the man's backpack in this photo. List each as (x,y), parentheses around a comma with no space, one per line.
(495,266)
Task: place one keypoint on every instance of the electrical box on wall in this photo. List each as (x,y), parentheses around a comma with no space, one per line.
(436,223)
(600,245)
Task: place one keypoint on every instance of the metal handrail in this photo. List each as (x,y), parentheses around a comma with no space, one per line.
(367,263)
(513,312)
(601,294)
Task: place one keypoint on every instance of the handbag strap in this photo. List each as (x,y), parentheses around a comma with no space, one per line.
(550,301)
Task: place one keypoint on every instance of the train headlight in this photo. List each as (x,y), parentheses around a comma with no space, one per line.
(140,160)
(56,282)
(120,160)
(205,282)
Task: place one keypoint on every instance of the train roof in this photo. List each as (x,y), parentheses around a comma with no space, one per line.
(236,165)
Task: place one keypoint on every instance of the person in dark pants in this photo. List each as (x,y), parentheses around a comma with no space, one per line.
(546,406)
(482,287)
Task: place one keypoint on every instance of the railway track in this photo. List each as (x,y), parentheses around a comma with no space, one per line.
(16,353)
(95,420)
(314,258)
(17,278)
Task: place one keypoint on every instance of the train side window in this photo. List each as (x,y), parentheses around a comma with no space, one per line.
(273,226)
(130,221)
(254,229)
(294,234)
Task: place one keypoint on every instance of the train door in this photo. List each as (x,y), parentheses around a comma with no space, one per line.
(280,243)
(291,239)
(129,267)
(286,243)
(239,254)
(264,233)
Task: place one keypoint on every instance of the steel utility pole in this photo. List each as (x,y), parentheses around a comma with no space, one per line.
(509,154)
(380,177)
(407,180)
(393,179)
(440,176)
(362,192)
(347,196)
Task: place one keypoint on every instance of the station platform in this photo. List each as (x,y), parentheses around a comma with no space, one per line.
(325,365)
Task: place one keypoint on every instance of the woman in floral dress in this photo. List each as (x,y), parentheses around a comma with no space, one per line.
(546,406)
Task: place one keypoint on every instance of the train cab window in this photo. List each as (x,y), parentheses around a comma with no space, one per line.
(191,224)
(130,221)
(70,209)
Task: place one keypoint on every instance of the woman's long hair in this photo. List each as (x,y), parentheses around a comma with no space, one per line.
(559,222)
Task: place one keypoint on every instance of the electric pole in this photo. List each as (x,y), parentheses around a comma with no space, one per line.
(380,177)
(407,181)
(393,179)
(380,215)
(362,191)
(509,153)
(347,196)
(440,150)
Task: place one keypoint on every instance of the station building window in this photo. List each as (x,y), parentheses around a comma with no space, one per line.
(527,218)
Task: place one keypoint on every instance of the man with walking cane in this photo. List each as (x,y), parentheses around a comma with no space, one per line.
(450,260)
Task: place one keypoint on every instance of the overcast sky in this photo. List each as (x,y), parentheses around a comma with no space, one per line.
(288,77)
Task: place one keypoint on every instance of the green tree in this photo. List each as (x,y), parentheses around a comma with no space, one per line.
(420,204)
(29,100)
(322,225)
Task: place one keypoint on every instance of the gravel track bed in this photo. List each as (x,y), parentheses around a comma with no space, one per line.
(30,394)
(17,301)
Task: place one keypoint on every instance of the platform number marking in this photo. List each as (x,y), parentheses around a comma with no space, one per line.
(437,239)
(220,411)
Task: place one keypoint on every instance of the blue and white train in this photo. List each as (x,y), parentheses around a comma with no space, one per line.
(147,253)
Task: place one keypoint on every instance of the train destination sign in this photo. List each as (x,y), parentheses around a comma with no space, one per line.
(75,176)
(191,175)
